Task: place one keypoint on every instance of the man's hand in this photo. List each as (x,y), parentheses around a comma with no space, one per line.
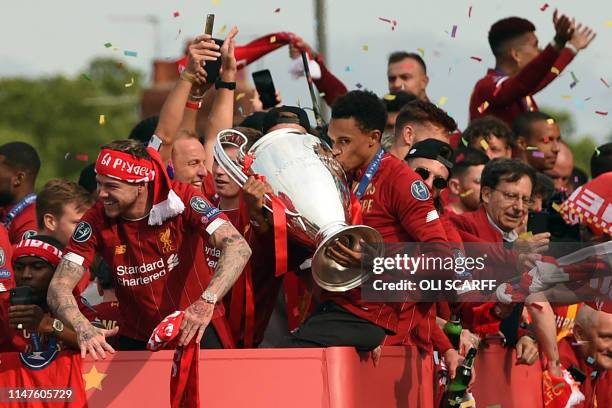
(92,340)
(297,46)
(526,262)
(228,59)
(452,359)
(254,191)
(257,104)
(346,256)
(536,244)
(582,37)
(29,317)
(467,340)
(376,353)
(526,351)
(197,317)
(564,29)
(201,49)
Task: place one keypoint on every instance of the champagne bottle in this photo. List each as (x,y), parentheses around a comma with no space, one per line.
(457,388)
(453,329)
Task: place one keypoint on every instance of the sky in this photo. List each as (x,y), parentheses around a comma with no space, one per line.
(45,38)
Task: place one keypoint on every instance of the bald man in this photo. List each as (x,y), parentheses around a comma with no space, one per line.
(588,355)
(561,173)
(188,160)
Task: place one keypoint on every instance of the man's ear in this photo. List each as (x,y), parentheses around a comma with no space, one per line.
(514,55)
(580,333)
(18,179)
(407,134)
(453,186)
(375,137)
(521,142)
(49,221)
(485,194)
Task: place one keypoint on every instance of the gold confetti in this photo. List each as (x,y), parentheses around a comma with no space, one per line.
(555,70)
(566,97)
(526,235)
(466,193)
(421,51)
(102,120)
(129,84)
(272,39)
(484,144)
(365,47)
(216,2)
(532,148)
(240,96)
(222,30)
(550,121)
(389,97)
(556,207)
(322,94)
(442,101)
(609,23)
(483,107)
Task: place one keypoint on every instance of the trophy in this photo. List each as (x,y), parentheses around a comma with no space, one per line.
(304,175)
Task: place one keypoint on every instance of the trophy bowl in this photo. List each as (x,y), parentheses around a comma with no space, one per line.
(304,175)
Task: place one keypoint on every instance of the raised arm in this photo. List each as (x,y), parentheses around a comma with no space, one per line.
(222,111)
(64,306)
(235,253)
(201,49)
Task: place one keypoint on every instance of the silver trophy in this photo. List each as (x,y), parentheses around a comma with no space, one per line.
(305,176)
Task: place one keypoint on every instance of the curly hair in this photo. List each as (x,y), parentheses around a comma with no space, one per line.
(485,127)
(365,107)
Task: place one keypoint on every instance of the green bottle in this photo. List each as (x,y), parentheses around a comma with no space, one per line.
(455,391)
(453,329)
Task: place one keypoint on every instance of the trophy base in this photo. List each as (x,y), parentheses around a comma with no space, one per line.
(334,277)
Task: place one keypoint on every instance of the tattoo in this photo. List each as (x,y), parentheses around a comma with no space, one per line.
(235,253)
(59,296)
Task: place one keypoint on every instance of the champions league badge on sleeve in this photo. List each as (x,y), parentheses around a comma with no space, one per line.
(208,212)
(82,232)
(419,190)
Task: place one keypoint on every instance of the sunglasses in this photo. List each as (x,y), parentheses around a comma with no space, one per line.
(438,182)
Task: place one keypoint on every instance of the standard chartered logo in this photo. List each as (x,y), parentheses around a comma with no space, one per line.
(145,273)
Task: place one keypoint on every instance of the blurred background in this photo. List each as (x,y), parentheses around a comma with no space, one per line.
(66,63)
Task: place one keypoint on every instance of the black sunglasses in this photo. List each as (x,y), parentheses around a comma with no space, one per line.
(438,182)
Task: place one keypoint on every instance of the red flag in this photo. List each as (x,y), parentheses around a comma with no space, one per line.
(591,204)
(42,372)
(250,52)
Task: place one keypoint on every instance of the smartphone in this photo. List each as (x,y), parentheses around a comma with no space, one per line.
(537,222)
(21,295)
(265,88)
(212,68)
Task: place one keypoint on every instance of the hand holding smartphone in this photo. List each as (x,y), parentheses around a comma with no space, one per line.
(265,88)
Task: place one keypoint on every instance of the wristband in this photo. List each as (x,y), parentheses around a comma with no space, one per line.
(571,47)
(193,105)
(225,85)
(186,76)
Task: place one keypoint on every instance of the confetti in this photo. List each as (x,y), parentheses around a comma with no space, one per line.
(129,84)
(67,156)
(421,51)
(468,404)
(484,144)
(454,31)
(604,82)
(102,120)
(556,207)
(574,76)
(538,154)
(566,97)
(544,7)
(178,34)
(602,113)
(130,53)
(464,141)
(597,152)
(176,14)
(442,101)
(347,69)
(555,70)
(322,94)
(609,23)
(389,97)
(470,12)
(466,193)
(550,121)
(240,96)
(476,59)
(277,10)
(86,77)
(387,20)
(358,85)
(108,45)
(272,39)
(573,84)
(532,148)
(81,157)
(216,2)
(222,30)
(483,107)
(365,47)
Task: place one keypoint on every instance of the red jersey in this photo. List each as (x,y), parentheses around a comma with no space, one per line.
(597,387)
(7,280)
(23,225)
(507,97)
(397,204)
(157,269)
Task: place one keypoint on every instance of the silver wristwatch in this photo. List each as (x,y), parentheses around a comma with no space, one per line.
(58,326)
(209,297)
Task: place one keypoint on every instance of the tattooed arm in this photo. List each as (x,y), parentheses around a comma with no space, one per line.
(235,253)
(63,305)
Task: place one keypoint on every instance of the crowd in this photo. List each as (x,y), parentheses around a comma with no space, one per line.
(156,225)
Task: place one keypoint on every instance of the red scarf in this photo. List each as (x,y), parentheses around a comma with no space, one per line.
(38,249)
(184,377)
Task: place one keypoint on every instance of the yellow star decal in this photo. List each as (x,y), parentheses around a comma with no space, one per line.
(93,379)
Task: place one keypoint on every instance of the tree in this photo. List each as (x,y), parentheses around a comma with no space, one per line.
(59,116)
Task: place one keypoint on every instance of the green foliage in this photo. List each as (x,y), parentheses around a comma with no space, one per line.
(60,115)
